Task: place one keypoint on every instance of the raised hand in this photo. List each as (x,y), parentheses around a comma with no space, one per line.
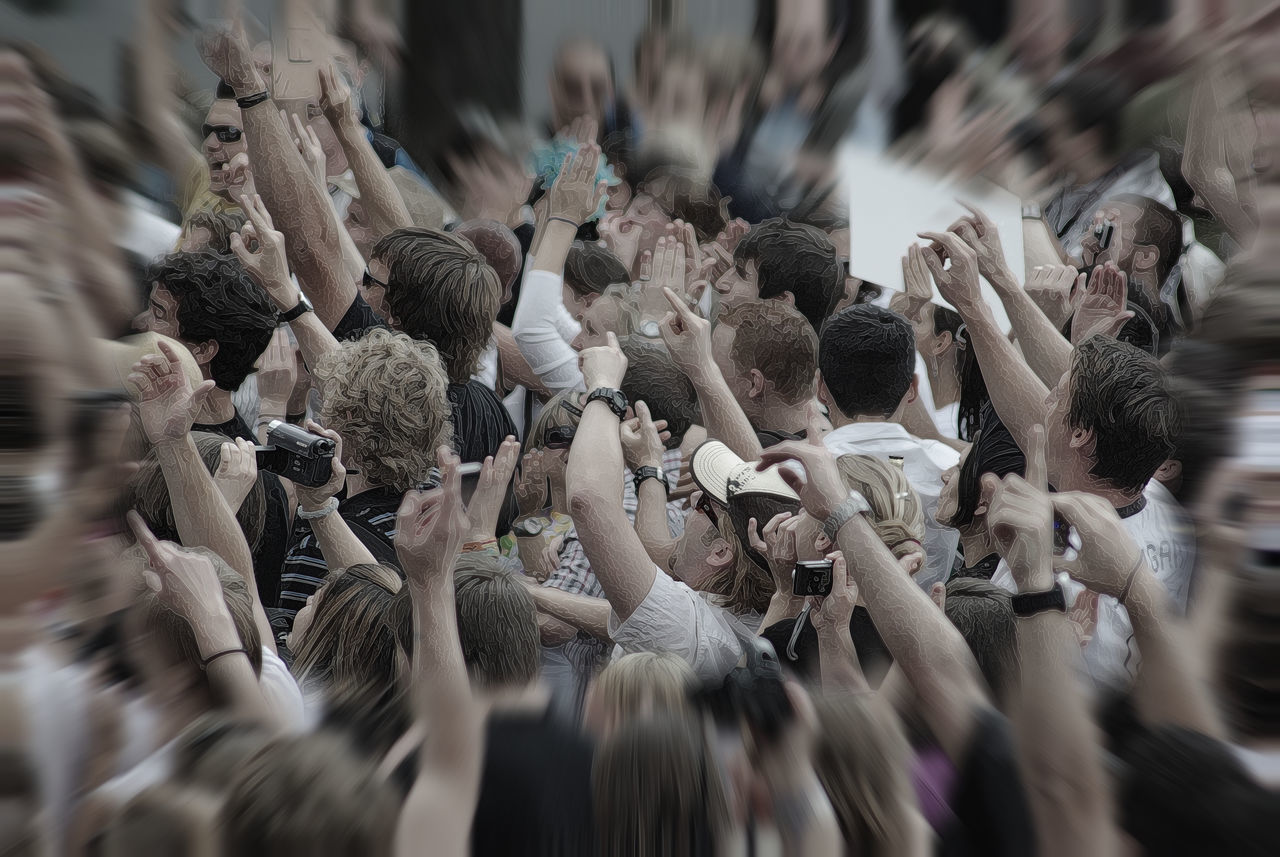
(1107,552)
(1103,309)
(581,130)
(267,265)
(168,405)
(981,234)
(820,487)
(277,373)
(335,96)
(665,269)
(431,524)
(226,51)
(185,580)
(532,493)
(1057,290)
(777,543)
(642,439)
(308,145)
(1020,516)
(687,335)
(917,290)
(491,491)
(834,612)
(957,282)
(235,177)
(576,194)
(604,365)
(237,471)
(314,498)
(734,231)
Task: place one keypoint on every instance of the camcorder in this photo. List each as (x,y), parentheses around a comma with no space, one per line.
(812,577)
(752,694)
(296,454)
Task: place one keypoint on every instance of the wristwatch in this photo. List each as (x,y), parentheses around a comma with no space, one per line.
(615,399)
(649,472)
(302,306)
(527,528)
(855,504)
(1030,603)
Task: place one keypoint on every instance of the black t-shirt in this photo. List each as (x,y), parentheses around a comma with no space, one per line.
(989,802)
(982,569)
(769,438)
(480,421)
(268,556)
(358,319)
(535,790)
(873,654)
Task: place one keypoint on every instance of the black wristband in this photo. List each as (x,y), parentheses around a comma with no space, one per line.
(247,101)
(204,664)
(649,472)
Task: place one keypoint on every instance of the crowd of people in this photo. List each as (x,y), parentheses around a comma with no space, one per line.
(570,494)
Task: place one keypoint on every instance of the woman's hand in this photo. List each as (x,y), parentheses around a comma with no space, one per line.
(490,494)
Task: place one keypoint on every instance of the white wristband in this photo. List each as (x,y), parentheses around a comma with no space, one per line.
(330,506)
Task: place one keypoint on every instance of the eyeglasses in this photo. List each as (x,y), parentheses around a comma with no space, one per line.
(559,437)
(705,506)
(571,408)
(369,281)
(226,133)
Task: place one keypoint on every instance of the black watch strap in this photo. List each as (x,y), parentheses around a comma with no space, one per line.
(1027,604)
(301,307)
(615,399)
(649,472)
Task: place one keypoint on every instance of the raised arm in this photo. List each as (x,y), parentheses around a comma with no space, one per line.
(837,657)
(303,210)
(436,818)
(379,198)
(167,410)
(1016,393)
(642,447)
(340,547)
(580,611)
(688,338)
(1057,739)
(933,656)
(171,146)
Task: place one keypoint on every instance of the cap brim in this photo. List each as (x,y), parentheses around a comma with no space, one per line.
(711,466)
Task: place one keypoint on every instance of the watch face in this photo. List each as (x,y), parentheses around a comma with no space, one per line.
(527,529)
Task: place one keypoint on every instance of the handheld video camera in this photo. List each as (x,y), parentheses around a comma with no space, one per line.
(297,455)
(752,693)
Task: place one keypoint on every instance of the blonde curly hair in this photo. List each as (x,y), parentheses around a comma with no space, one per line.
(896,511)
(386,394)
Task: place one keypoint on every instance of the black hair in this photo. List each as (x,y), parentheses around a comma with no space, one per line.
(653,377)
(590,269)
(983,614)
(973,387)
(1121,394)
(792,257)
(1093,100)
(1205,436)
(1158,226)
(993,451)
(1141,331)
(218,300)
(867,358)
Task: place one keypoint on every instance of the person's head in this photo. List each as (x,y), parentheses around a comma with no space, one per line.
(1112,420)
(1181,792)
(346,636)
(897,515)
(149,495)
(1146,243)
(555,424)
(993,451)
(614,310)
(863,761)
(589,270)
(385,393)
(310,794)
(210,232)
(789,261)
(441,289)
(500,248)
(983,614)
(497,625)
(223,139)
(866,357)
(804,40)
(212,306)
(657,789)
(163,645)
(639,684)
(1082,114)
(944,339)
(653,378)
(768,354)
(581,83)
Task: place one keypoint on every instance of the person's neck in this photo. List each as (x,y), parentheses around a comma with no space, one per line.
(217,408)
(791,419)
(944,383)
(975,546)
(531,698)
(840,420)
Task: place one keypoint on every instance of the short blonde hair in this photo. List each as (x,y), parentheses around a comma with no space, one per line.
(642,684)
(896,512)
(387,395)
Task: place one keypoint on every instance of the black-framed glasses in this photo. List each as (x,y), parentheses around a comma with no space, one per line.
(369,281)
(571,408)
(707,507)
(559,437)
(225,133)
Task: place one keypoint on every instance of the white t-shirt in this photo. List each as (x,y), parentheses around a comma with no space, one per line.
(924,462)
(674,618)
(281,692)
(1165,533)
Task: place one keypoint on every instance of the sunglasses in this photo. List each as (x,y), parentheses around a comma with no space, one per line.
(369,281)
(559,437)
(225,133)
(706,507)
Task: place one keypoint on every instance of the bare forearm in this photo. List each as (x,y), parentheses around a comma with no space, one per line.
(1016,392)
(1039,246)
(838,658)
(651,521)
(782,605)
(1048,354)
(553,241)
(723,416)
(379,198)
(314,338)
(581,611)
(230,676)
(442,694)
(339,546)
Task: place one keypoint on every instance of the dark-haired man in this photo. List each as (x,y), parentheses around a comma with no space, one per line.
(1110,423)
(866,365)
(792,262)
